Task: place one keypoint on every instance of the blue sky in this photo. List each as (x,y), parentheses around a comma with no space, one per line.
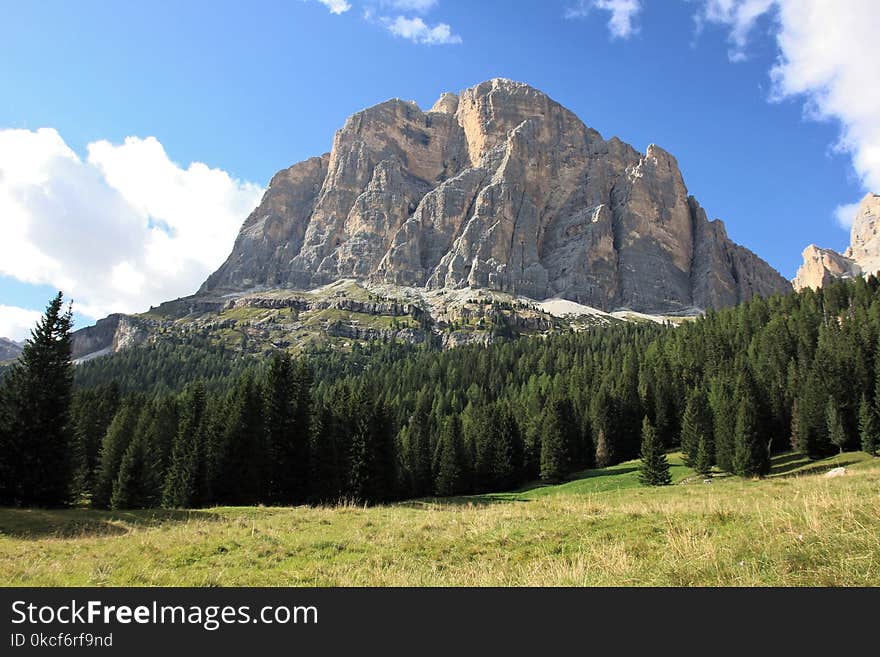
(249,88)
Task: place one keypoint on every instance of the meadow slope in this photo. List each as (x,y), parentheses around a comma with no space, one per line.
(795,528)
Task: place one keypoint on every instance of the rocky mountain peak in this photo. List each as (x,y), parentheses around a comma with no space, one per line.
(822,266)
(499,187)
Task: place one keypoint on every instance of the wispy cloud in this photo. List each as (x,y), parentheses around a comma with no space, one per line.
(417,31)
(621,22)
(828,54)
(336,6)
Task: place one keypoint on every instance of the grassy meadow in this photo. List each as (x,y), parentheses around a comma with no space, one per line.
(796,527)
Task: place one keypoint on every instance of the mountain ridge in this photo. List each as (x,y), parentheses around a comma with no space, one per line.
(497,187)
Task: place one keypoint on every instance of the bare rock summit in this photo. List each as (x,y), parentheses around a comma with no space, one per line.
(498,187)
(862,257)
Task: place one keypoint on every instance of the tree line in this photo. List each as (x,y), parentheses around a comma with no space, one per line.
(387,421)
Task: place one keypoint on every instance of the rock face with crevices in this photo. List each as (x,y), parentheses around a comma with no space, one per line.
(862,257)
(497,187)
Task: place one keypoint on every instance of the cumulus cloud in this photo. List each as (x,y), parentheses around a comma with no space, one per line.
(846,214)
(16,323)
(119,231)
(828,56)
(336,6)
(621,23)
(417,31)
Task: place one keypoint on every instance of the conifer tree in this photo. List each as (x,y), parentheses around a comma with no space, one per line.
(556,442)
(836,431)
(241,464)
(181,484)
(35,431)
(91,413)
(703,461)
(654,467)
(324,460)
(724,420)
(696,425)
(286,442)
(113,447)
(602,412)
(450,469)
(750,456)
(869,427)
(138,484)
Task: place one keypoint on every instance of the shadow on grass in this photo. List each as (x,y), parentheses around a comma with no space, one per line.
(787,459)
(518,495)
(84,523)
(796,470)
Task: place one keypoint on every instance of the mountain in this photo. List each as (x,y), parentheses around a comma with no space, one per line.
(498,187)
(9,349)
(862,257)
(497,212)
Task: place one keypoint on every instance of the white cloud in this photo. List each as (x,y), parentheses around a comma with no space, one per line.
(846,214)
(16,323)
(417,31)
(621,23)
(124,229)
(739,15)
(828,56)
(336,6)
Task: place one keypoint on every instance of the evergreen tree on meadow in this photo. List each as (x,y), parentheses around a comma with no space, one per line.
(325,465)
(113,447)
(138,483)
(836,431)
(696,426)
(602,413)
(181,486)
(556,441)
(869,427)
(35,431)
(751,457)
(450,477)
(92,410)
(654,467)
(724,420)
(241,461)
(288,409)
(704,457)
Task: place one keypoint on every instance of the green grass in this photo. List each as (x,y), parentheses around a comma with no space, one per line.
(791,529)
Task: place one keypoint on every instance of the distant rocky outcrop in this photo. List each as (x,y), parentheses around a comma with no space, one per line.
(9,349)
(108,335)
(862,257)
(497,187)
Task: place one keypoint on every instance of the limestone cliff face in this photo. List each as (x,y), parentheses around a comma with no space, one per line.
(821,266)
(497,187)
(864,245)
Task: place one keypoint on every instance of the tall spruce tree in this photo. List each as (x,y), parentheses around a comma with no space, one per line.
(703,460)
(836,431)
(35,431)
(181,486)
(138,483)
(287,429)
(113,447)
(556,441)
(696,425)
(654,467)
(750,455)
(449,477)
